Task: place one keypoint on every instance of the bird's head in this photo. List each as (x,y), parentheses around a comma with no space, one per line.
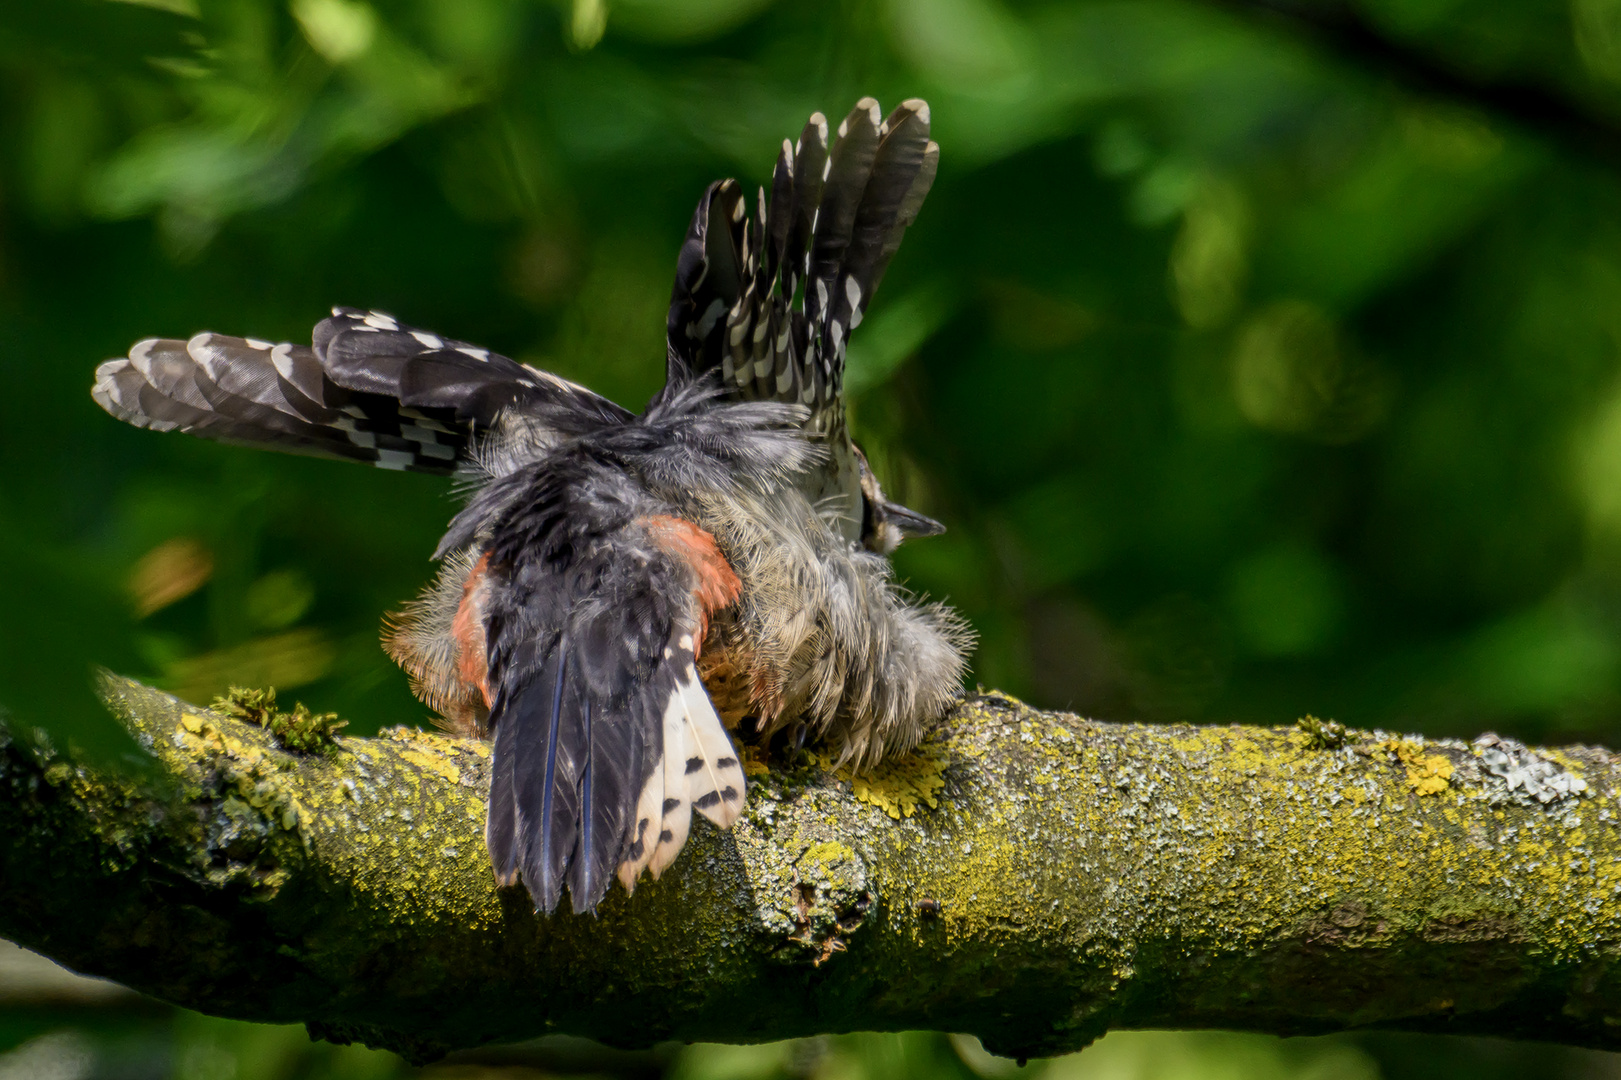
(884,524)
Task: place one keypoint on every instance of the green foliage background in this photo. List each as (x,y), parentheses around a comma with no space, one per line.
(1251,380)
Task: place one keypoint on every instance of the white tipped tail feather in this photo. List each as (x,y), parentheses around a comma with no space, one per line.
(700,770)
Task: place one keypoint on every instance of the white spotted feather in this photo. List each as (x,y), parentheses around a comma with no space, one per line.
(716,784)
(649,821)
(676,821)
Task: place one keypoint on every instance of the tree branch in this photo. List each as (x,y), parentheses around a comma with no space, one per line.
(1073,876)
(1579,127)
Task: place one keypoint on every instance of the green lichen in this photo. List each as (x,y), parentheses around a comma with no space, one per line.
(1321,734)
(301,731)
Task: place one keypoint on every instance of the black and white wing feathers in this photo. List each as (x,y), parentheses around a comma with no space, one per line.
(254,393)
(372,352)
(370,390)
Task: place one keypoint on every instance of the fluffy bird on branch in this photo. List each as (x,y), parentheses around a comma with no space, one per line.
(622,590)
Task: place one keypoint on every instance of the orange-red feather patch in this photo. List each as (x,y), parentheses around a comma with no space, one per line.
(472,659)
(717,584)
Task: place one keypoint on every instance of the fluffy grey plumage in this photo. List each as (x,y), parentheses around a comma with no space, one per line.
(823,641)
(607,562)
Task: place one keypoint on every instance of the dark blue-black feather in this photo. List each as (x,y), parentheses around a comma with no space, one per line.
(583,604)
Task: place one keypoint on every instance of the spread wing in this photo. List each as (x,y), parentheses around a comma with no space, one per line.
(771,302)
(370,389)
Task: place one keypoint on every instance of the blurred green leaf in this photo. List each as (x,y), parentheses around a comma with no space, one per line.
(682,21)
(105,37)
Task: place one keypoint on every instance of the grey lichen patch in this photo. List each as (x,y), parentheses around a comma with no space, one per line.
(1516,773)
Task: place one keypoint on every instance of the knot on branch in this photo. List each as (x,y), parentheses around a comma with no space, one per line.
(830,898)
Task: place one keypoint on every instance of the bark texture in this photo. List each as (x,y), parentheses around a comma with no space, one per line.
(1032,878)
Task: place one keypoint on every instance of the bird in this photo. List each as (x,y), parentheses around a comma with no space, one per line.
(624,596)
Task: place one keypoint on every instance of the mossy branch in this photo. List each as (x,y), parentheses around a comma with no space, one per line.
(1055,877)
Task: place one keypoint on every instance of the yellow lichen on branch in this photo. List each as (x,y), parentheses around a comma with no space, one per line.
(901,785)
(1427,774)
(1032,878)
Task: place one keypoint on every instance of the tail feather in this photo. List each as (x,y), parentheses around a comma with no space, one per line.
(501,818)
(675,812)
(580,863)
(778,335)
(714,776)
(774,314)
(708,278)
(700,767)
(879,224)
(849,171)
(583,788)
(911,204)
(810,177)
(608,799)
(647,823)
(776,224)
(550,748)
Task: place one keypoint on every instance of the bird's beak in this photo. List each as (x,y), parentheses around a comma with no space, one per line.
(910,523)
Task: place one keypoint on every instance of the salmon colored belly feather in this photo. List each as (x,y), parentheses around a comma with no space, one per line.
(472,660)
(717,584)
